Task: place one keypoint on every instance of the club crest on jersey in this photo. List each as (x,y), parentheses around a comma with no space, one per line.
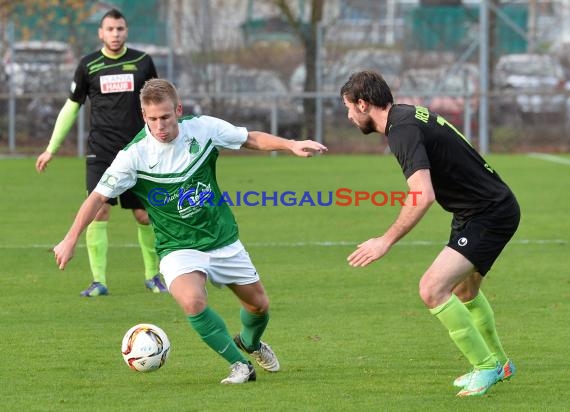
(193,146)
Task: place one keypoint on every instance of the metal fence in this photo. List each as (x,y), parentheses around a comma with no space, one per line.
(26,122)
(511,119)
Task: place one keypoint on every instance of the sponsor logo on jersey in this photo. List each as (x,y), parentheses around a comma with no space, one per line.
(117,83)
(129,67)
(108,180)
(192,199)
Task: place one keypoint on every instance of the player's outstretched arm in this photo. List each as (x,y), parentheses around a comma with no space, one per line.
(420,198)
(86,214)
(268,142)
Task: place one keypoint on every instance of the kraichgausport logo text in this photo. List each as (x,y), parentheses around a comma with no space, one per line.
(341,197)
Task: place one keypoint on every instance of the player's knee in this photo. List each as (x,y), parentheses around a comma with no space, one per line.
(264,307)
(468,289)
(259,306)
(141,216)
(103,213)
(465,295)
(193,306)
(190,302)
(428,293)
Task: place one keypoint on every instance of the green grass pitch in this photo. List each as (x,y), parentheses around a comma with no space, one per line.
(348,339)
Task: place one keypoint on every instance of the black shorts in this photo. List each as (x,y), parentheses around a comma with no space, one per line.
(481,238)
(95,167)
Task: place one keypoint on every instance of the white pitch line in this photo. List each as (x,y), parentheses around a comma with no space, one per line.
(314,243)
(550,158)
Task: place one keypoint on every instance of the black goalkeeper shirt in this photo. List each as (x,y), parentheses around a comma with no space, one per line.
(463,182)
(113,86)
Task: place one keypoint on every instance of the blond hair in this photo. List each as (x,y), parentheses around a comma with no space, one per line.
(158,91)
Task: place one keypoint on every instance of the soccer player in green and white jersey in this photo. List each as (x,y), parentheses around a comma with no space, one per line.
(112,78)
(170,165)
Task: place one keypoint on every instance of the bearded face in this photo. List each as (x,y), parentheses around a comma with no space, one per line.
(366,125)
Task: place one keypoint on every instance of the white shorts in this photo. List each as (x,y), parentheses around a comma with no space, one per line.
(227,265)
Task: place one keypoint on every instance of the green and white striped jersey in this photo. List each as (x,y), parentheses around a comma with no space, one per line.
(177,184)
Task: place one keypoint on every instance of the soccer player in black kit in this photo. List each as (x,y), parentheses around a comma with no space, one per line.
(112,79)
(439,162)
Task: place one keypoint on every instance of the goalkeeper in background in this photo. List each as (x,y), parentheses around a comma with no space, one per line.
(112,78)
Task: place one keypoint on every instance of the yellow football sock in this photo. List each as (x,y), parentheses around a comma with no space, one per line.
(145,235)
(484,319)
(97,244)
(456,318)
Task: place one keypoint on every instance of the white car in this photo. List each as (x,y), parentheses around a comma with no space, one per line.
(531,86)
(39,67)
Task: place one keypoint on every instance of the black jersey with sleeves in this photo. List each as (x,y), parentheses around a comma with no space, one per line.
(463,182)
(113,86)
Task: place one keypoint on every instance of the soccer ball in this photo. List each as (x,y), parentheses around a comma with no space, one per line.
(145,347)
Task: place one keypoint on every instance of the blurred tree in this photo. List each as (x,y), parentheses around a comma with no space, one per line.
(307,34)
(48,19)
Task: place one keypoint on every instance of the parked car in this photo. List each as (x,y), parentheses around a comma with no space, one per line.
(42,113)
(337,72)
(446,90)
(39,67)
(530,87)
(40,74)
(236,94)
(562,51)
(386,62)
(170,64)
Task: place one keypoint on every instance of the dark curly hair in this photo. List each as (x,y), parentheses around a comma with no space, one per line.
(369,86)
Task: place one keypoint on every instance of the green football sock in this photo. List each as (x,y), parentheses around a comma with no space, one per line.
(253,326)
(484,319)
(212,329)
(462,330)
(150,258)
(97,244)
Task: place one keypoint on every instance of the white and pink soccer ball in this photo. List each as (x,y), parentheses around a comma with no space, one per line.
(145,347)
